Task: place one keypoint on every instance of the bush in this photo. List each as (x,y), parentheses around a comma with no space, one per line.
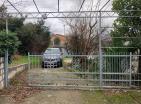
(8,41)
(35,38)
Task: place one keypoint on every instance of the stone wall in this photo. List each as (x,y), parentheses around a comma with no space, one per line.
(1,72)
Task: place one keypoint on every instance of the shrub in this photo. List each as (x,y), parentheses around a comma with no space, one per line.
(8,41)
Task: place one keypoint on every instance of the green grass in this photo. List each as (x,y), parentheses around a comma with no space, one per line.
(100,97)
(35,61)
(19,60)
(24,59)
(93,97)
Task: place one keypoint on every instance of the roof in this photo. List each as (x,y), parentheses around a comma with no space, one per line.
(57,35)
(61,37)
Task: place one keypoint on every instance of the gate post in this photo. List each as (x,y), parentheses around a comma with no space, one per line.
(100,52)
(130,82)
(6,82)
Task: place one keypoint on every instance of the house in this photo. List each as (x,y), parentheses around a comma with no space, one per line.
(58,41)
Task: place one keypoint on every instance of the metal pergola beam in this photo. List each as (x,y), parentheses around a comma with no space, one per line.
(69,14)
(81,5)
(105,5)
(14,7)
(36,6)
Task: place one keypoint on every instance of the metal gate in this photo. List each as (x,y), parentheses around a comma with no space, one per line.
(76,71)
(83,71)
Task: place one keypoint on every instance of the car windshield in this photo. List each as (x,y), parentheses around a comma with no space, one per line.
(52,51)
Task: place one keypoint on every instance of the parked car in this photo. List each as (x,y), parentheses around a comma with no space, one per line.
(52,57)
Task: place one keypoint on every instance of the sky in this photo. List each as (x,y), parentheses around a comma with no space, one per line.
(56,26)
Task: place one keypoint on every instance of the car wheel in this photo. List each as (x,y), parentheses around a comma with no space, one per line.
(61,64)
(58,65)
(43,66)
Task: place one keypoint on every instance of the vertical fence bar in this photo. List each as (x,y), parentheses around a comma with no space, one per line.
(63,58)
(6,69)
(28,61)
(28,74)
(100,50)
(130,83)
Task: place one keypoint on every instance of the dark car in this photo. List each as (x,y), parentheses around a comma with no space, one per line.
(52,57)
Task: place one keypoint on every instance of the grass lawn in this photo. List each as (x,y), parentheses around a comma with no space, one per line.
(17,60)
(111,97)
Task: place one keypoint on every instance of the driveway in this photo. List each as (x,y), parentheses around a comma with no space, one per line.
(20,93)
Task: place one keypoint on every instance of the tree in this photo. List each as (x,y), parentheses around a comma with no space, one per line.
(34,37)
(13,23)
(128,26)
(8,41)
(83,32)
(83,38)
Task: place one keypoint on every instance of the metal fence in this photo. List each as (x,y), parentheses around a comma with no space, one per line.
(83,71)
(121,71)
(80,71)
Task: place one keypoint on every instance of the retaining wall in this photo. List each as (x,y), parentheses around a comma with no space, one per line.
(12,71)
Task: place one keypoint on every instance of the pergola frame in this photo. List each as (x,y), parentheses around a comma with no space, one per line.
(68,14)
(71,14)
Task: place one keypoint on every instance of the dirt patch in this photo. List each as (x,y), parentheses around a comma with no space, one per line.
(20,79)
(6,100)
(18,94)
(18,89)
(55,97)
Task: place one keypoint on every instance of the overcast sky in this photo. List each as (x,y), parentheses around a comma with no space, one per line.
(56,26)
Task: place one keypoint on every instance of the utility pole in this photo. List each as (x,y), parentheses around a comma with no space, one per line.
(6,25)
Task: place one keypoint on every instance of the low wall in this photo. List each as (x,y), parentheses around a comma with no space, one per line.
(16,69)
(12,72)
(1,72)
